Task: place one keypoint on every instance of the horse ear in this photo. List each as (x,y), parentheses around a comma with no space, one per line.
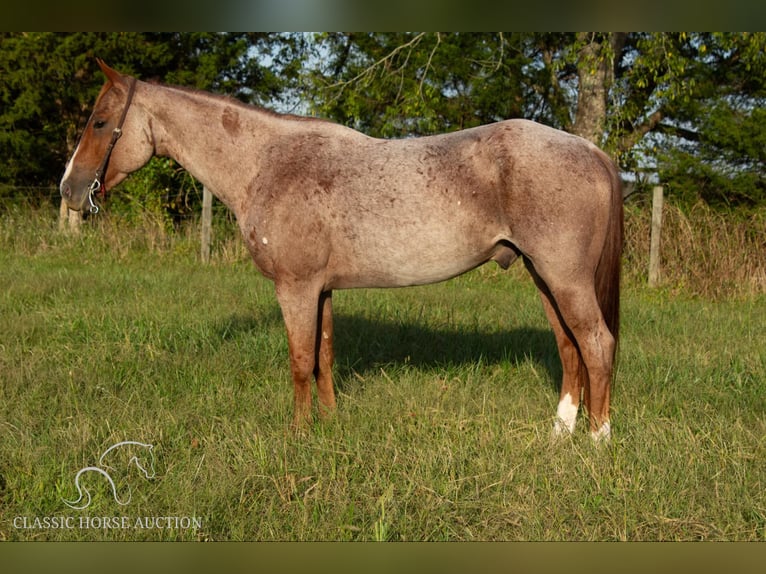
(113,75)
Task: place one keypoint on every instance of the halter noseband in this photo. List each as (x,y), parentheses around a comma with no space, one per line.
(96,185)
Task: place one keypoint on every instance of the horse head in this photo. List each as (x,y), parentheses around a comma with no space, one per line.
(117,140)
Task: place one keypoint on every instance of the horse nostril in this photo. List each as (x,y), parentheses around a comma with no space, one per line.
(66,191)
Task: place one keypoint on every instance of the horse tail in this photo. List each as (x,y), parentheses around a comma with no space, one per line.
(609,265)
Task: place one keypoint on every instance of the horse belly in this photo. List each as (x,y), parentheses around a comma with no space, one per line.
(404,260)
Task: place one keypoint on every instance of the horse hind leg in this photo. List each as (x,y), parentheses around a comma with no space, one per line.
(572,366)
(580,312)
(573,374)
(586,347)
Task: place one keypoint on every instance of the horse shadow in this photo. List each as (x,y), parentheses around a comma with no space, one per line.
(363,345)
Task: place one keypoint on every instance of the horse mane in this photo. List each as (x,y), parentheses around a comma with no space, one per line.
(239,103)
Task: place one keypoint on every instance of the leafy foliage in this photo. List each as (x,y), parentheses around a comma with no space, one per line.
(394,85)
(721,156)
(161,190)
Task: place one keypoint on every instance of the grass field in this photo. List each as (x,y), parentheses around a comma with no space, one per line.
(446,401)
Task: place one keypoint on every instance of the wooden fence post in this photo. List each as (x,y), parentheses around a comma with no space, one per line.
(654,248)
(207,220)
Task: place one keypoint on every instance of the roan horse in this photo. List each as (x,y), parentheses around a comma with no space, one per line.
(324,207)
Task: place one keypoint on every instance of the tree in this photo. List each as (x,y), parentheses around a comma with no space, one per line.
(596,56)
(393,85)
(712,142)
(686,106)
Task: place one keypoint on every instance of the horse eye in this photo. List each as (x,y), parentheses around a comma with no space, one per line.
(98,124)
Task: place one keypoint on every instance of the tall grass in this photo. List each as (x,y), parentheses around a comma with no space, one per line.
(446,400)
(37,231)
(703,252)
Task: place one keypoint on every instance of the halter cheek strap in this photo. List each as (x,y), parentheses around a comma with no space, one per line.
(96,185)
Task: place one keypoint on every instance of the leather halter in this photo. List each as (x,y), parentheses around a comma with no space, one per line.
(97,184)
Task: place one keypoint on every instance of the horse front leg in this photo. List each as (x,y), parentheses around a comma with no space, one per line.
(325,356)
(307,313)
(299,304)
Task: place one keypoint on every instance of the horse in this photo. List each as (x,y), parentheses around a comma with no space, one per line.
(321,207)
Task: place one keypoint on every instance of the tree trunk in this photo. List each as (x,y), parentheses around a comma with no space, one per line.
(595,72)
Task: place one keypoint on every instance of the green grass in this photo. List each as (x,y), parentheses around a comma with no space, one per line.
(446,400)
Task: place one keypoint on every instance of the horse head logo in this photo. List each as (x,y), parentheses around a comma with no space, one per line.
(145,464)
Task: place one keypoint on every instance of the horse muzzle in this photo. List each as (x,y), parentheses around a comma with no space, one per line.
(80,198)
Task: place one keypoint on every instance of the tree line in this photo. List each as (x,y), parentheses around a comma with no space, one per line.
(685,107)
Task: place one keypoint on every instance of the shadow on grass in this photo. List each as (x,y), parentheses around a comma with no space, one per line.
(363,345)
(240,324)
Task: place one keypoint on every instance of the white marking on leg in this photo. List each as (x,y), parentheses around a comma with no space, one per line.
(603,433)
(566,416)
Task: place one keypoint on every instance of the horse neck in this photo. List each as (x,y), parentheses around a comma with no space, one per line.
(212,137)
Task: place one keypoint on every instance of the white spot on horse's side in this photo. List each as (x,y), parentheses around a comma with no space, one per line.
(265,241)
(566,416)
